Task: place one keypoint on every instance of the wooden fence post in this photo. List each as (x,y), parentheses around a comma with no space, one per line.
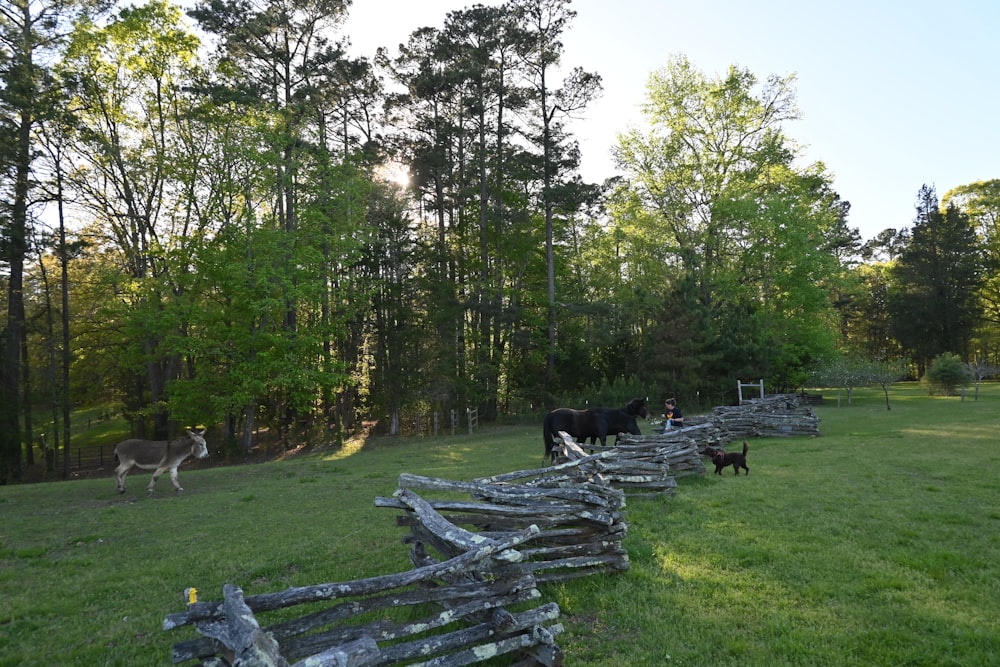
(473,417)
(740,385)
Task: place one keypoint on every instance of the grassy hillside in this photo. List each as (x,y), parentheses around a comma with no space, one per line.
(874,544)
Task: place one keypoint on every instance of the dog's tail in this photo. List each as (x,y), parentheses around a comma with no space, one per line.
(746,448)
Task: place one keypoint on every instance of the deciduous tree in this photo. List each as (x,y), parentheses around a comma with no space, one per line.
(131,88)
(31,32)
(756,238)
(981,202)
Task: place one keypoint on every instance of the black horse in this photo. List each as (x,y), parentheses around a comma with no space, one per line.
(592,423)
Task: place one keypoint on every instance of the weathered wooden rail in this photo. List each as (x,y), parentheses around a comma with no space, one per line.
(772,416)
(445,613)
(496,538)
(677,449)
(642,470)
(581,524)
(649,464)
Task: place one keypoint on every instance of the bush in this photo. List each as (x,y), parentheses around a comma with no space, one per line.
(946,374)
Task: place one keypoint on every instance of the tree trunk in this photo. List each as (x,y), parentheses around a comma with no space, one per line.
(249,419)
(10,424)
(64,285)
(26,394)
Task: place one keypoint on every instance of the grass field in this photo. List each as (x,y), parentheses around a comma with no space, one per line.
(877,543)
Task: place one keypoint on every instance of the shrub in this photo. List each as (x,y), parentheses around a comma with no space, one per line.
(946,374)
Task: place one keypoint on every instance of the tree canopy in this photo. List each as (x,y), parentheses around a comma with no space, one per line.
(739,226)
(232,252)
(934,301)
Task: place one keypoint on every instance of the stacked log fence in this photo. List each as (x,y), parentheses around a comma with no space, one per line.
(648,465)
(633,471)
(444,612)
(582,524)
(494,541)
(773,416)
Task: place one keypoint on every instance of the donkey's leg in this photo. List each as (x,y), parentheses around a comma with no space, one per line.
(173,478)
(120,473)
(156,476)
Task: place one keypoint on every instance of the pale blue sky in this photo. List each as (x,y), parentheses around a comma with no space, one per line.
(893,94)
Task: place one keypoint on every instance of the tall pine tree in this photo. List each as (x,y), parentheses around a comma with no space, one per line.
(934,299)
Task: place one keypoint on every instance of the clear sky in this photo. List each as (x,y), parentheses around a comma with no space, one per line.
(893,94)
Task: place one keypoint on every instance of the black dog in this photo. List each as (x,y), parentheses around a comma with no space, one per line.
(721,460)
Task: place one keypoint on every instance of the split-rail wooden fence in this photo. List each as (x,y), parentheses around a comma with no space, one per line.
(443,613)
(581,525)
(496,540)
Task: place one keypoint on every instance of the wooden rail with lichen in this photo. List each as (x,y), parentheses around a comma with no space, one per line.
(649,464)
(444,612)
(581,524)
(778,415)
(502,536)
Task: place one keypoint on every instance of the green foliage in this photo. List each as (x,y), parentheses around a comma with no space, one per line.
(614,393)
(934,298)
(847,371)
(247,262)
(946,373)
(861,302)
(684,349)
(751,237)
(981,202)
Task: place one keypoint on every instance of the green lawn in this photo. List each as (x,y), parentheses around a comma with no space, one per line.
(877,543)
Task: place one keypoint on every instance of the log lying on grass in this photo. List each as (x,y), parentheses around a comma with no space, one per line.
(449,612)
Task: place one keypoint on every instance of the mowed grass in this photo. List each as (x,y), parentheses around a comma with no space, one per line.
(877,543)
